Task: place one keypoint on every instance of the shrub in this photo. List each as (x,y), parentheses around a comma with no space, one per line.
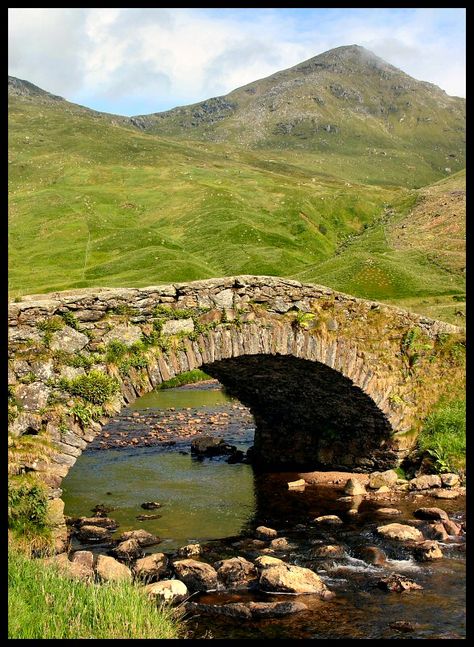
(95,387)
(444,435)
(70,320)
(188,377)
(86,413)
(27,506)
(115,350)
(53,324)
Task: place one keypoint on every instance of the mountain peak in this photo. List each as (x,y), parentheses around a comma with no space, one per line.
(348,58)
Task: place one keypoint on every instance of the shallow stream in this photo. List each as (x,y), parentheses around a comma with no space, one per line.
(213,502)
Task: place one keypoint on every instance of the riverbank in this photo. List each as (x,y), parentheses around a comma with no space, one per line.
(43,602)
(409,581)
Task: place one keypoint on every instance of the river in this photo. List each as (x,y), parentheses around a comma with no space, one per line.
(215,503)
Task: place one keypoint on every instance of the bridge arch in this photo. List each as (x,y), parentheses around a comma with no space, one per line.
(332,381)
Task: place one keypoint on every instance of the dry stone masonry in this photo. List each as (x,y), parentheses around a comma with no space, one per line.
(332,380)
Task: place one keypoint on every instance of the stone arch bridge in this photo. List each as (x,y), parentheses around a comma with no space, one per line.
(333,381)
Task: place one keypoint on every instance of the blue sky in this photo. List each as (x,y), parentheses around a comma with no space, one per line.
(137,61)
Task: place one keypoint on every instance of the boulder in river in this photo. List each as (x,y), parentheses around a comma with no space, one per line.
(249,544)
(353,487)
(298,485)
(102,522)
(211,446)
(237,456)
(281,543)
(400,532)
(379,479)
(93,534)
(248,610)
(328,520)
(431,514)
(388,512)
(450,480)
(75,569)
(445,494)
(330,551)
(128,550)
(276,576)
(172,591)
(143,537)
(427,551)
(275,609)
(151,505)
(404,626)
(230,610)
(371,554)
(398,584)
(83,557)
(236,573)
(265,534)
(151,567)
(436,531)
(190,550)
(452,528)
(425,482)
(198,576)
(109,569)
(102,510)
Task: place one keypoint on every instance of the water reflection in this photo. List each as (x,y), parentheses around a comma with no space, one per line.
(201,500)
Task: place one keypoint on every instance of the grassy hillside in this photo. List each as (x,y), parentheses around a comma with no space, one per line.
(96,201)
(413,255)
(97,204)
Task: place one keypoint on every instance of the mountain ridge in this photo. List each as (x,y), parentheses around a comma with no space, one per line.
(337,96)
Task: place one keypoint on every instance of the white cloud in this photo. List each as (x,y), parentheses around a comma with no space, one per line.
(167,57)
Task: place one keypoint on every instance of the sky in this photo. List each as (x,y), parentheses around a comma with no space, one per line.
(138,61)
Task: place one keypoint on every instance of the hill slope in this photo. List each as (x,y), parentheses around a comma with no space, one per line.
(97,201)
(414,257)
(346,101)
(96,204)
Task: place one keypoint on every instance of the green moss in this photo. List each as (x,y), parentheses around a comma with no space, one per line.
(115,351)
(414,345)
(70,320)
(28,378)
(125,309)
(400,472)
(85,412)
(301,320)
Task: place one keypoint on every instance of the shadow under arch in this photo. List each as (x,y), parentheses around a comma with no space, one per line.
(307,415)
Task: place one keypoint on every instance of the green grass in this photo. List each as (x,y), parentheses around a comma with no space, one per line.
(27,504)
(126,208)
(97,204)
(371,266)
(42,603)
(444,436)
(188,377)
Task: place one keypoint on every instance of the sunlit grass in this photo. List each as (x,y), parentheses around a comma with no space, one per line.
(42,603)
